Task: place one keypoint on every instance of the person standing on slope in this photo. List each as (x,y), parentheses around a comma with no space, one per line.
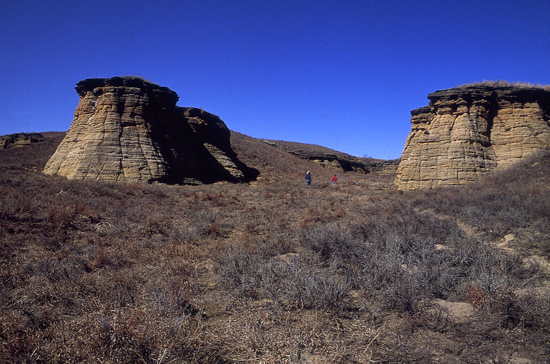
(308,178)
(334,179)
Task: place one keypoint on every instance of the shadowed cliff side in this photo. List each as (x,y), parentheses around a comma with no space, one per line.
(128,129)
(469,131)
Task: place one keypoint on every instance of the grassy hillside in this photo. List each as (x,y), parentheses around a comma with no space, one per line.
(346,162)
(272,271)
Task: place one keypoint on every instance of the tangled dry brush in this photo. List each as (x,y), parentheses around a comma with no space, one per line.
(272,271)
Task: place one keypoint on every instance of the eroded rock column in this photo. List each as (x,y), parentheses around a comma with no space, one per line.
(467,132)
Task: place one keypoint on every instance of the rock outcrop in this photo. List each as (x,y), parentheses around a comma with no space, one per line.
(469,131)
(128,129)
(332,159)
(19,139)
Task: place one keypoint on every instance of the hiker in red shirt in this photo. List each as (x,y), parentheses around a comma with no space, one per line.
(334,179)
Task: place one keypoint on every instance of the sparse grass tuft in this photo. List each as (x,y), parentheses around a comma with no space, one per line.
(497,83)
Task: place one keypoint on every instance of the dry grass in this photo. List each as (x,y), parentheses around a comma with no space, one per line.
(271,271)
(506,83)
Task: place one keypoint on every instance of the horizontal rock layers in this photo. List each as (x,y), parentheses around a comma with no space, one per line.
(19,139)
(128,129)
(469,131)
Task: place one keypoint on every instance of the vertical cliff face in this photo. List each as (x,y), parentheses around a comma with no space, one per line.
(469,131)
(127,129)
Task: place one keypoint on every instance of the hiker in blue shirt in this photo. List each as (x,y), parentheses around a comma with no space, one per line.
(308,178)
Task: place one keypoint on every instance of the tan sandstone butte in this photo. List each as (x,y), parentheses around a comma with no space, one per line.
(469,131)
(129,129)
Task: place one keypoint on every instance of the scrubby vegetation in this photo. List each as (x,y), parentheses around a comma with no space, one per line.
(272,271)
(497,83)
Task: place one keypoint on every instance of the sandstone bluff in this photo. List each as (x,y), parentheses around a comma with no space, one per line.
(128,129)
(469,131)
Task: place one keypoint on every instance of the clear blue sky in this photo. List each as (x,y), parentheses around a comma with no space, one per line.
(341,74)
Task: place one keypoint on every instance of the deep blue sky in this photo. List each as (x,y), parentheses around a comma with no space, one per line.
(341,74)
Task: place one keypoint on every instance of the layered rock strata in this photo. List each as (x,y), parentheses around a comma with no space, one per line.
(469,131)
(19,139)
(128,129)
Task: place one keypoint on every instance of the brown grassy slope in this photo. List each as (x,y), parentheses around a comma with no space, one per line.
(273,163)
(21,158)
(276,164)
(312,149)
(271,271)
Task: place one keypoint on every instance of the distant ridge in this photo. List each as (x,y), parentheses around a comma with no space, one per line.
(333,159)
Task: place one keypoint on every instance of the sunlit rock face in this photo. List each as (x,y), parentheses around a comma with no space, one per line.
(469,131)
(128,129)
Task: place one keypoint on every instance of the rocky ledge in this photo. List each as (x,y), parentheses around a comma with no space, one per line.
(332,159)
(19,139)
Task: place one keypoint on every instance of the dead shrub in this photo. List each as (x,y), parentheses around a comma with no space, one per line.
(474,295)
(270,271)
(100,259)
(214,229)
(60,217)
